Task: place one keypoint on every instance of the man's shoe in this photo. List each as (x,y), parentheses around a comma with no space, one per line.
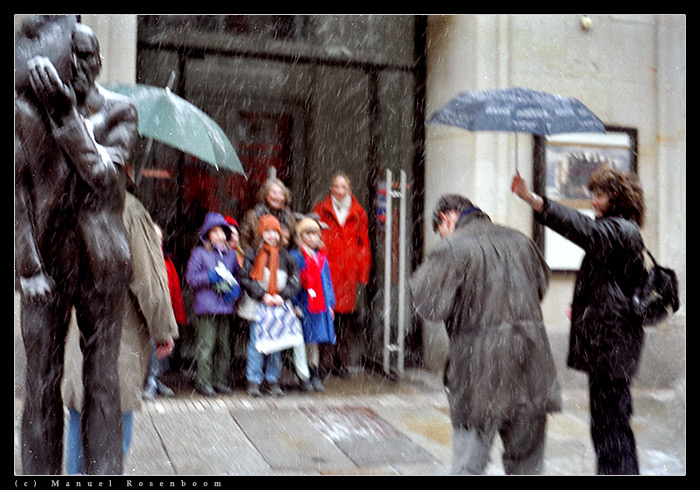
(306,386)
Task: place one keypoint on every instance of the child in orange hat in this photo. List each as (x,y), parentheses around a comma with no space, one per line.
(270,277)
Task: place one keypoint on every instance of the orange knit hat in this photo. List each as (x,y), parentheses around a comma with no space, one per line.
(268,222)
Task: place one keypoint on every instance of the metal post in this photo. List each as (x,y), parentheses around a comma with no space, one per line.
(396,347)
(402,273)
(387,273)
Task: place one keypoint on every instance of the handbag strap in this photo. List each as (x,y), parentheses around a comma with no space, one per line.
(651,256)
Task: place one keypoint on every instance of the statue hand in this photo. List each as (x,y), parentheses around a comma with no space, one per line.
(57,97)
(36,286)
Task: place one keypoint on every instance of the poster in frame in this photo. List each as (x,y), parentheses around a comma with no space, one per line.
(563,164)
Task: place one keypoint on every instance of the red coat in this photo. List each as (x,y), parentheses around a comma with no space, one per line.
(348,251)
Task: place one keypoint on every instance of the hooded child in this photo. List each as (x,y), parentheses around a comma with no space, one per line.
(213,272)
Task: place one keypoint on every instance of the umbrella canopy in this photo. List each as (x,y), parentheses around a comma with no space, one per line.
(519,110)
(170,119)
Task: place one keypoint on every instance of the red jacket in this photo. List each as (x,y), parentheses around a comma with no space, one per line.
(175,292)
(348,251)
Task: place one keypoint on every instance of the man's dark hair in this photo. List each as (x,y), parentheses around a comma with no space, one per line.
(447,203)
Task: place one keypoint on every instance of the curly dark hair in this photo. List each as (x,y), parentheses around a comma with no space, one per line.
(623,190)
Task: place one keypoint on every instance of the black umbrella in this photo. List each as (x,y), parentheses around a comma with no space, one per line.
(518,110)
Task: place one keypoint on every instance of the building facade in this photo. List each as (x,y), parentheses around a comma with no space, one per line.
(305,96)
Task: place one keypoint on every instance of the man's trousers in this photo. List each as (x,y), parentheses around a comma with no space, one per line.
(523,441)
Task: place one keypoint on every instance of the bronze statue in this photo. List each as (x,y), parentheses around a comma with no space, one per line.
(72,139)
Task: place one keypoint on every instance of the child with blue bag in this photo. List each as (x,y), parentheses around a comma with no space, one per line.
(213,272)
(316,298)
(270,280)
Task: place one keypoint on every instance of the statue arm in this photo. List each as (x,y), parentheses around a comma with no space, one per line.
(27,259)
(89,159)
(29,267)
(116,125)
(113,125)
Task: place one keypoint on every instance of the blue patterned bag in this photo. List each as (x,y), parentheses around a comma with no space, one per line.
(276,328)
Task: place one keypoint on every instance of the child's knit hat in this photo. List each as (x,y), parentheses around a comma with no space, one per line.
(268,222)
(309,222)
(232,222)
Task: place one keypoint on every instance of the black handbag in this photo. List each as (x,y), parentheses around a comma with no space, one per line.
(657,294)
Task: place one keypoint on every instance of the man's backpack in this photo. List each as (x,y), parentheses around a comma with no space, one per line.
(657,293)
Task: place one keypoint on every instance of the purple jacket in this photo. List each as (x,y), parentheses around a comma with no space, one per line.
(200,266)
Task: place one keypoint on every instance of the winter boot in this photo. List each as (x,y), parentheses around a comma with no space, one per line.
(305,385)
(205,390)
(316,380)
(254,390)
(275,390)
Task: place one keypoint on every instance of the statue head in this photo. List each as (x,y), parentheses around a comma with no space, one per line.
(50,36)
(85,60)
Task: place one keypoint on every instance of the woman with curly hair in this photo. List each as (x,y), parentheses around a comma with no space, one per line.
(606,337)
(274,199)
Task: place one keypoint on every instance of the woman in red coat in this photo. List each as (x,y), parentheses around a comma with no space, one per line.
(349,258)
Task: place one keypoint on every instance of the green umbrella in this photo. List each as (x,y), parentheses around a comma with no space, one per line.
(170,119)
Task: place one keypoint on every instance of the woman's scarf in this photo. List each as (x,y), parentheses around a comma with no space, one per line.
(341,208)
(311,280)
(267,256)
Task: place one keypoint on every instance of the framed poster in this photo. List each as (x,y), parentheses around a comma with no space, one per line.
(563,165)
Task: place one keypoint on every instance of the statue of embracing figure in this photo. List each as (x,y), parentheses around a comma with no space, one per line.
(72,140)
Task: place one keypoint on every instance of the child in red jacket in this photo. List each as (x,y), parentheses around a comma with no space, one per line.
(156,365)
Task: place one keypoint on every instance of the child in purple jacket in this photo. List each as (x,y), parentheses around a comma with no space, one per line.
(212,271)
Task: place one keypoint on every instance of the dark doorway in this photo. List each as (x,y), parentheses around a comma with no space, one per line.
(264,149)
(301,97)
